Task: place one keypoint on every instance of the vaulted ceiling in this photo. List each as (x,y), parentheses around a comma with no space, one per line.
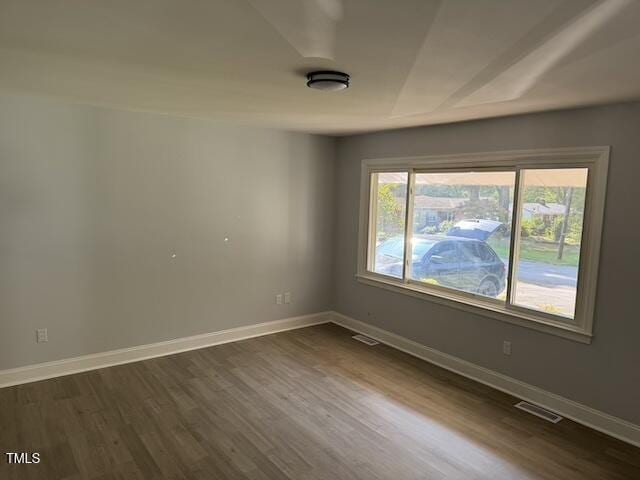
(412,62)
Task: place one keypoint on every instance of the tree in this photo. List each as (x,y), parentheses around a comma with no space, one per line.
(565,222)
(474,193)
(390,211)
(503,202)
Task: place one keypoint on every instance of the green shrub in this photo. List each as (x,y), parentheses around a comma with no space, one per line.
(445,226)
(533,227)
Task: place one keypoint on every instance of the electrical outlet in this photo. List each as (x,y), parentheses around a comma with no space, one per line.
(287,297)
(42,335)
(506,347)
(279,299)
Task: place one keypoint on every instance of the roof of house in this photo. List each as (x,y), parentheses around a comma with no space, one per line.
(547,209)
(437,203)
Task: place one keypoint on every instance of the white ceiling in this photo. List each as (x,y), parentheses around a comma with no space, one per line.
(413,62)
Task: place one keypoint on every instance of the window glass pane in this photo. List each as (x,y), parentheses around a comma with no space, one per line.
(461,230)
(551,216)
(388,206)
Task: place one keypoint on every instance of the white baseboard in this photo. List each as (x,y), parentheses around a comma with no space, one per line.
(42,371)
(603,422)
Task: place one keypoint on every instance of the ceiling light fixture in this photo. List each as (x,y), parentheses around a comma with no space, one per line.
(328,80)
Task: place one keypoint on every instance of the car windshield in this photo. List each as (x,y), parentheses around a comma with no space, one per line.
(394,247)
(421,246)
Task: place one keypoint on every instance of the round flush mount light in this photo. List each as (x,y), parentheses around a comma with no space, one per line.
(328,80)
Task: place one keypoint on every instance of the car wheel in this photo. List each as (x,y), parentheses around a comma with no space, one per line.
(488,288)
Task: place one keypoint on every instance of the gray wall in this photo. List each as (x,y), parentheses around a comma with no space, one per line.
(94,201)
(604,375)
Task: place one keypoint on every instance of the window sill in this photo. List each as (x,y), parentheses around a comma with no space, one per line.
(479,307)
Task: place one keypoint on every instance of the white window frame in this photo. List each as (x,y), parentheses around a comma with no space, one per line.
(596,159)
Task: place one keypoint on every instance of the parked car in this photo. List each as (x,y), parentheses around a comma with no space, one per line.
(456,262)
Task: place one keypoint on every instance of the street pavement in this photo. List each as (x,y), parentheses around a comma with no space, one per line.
(546,287)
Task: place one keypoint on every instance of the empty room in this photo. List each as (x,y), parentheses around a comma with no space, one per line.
(319,239)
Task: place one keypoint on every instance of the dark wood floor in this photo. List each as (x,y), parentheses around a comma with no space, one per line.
(305,404)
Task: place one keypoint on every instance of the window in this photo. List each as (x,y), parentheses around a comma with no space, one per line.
(550,237)
(478,205)
(512,235)
(388,216)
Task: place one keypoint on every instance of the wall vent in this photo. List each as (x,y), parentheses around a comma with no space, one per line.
(366,340)
(539,412)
